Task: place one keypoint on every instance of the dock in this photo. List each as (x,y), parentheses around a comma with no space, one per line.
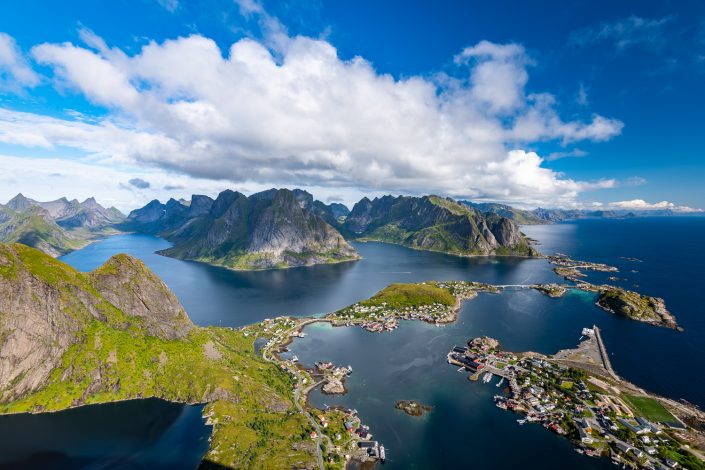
(607,364)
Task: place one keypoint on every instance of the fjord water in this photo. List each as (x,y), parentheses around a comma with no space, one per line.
(145,434)
(464,429)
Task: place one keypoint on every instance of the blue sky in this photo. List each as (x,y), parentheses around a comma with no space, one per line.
(576,103)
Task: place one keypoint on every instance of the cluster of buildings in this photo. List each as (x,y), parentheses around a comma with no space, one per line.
(569,402)
(379,318)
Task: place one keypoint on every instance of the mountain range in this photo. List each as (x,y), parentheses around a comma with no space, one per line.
(55,227)
(542,215)
(278,228)
(281,228)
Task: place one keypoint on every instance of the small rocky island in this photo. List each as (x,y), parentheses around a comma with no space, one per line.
(412,408)
(612,299)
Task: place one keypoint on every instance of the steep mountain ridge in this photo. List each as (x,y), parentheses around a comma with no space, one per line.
(45,304)
(436,224)
(271,229)
(56,227)
(35,227)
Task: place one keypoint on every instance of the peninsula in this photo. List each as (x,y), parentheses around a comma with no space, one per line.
(576,393)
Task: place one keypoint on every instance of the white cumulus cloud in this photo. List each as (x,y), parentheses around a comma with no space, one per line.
(640,204)
(292,112)
(15,72)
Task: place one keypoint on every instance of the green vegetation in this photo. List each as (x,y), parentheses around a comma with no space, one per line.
(635,306)
(567,385)
(683,457)
(112,356)
(34,229)
(411,295)
(650,409)
(433,223)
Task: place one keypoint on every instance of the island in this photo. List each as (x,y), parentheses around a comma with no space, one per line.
(412,408)
(576,393)
(613,299)
(432,302)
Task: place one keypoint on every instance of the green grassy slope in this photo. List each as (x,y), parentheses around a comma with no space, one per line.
(114,358)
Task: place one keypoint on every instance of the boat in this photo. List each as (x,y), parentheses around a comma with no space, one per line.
(521,421)
(382,456)
(487,377)
(294,358)
(499,384)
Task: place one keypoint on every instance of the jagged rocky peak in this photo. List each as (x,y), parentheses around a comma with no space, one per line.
(20,203)
(200,205)
(129,285)
(271,229)
(45,304)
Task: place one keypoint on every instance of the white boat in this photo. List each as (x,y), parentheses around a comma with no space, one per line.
(382,455)
(294,358)
(499,384)
(487,377)
(521,421)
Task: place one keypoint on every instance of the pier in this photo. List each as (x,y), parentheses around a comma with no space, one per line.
(603,354)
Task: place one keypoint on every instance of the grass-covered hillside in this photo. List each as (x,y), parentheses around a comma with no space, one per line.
(411,295)
(34,227)
(428,301)
(69,339)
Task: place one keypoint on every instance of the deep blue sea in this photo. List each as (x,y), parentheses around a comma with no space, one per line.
(464,429)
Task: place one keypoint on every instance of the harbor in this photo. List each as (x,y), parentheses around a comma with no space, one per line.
(576,394)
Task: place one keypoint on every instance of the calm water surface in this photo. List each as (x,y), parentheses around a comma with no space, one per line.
(464,429)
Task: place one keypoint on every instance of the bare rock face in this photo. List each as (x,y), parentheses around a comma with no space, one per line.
(45,305)
(271,229)
(334,387)
(126,283)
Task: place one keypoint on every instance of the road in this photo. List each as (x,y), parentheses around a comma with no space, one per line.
(298,392)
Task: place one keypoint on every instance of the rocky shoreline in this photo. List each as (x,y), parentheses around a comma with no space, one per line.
(412,407)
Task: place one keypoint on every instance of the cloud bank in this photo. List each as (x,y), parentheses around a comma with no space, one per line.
(290,111)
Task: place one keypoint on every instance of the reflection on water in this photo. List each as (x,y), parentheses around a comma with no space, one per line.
(218,296)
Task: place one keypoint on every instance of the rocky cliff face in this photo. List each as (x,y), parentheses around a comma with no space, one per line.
(433,223)
(45,305)
(126,283)
(272,229)
(70,214)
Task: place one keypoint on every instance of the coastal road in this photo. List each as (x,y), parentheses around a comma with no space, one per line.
(298,392)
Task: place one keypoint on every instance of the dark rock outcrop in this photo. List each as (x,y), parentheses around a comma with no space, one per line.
(271,229)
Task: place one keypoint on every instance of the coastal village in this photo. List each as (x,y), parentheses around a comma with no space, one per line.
(431,302)
(576,394)
(337,435)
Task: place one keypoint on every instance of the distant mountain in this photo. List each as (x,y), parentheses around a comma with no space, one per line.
(55,227)
(277,228)
(547,216)
(71,214)
(436,224)
(35,227)
(522,217)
